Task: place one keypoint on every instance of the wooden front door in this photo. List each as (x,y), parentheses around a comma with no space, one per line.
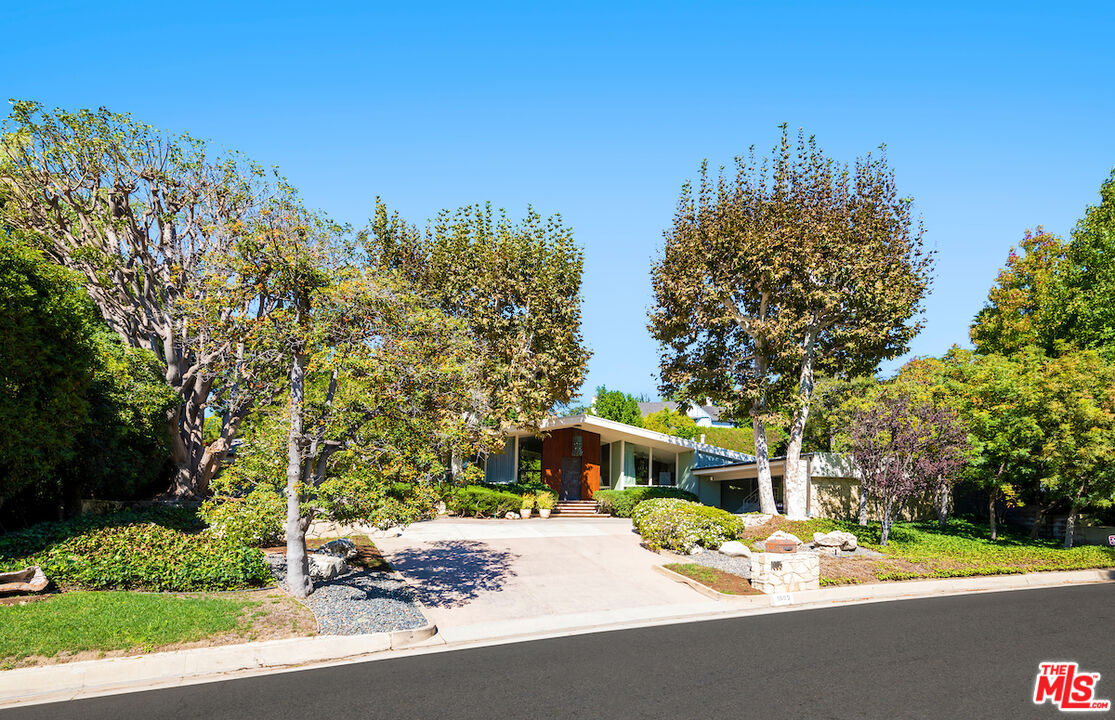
(570,478)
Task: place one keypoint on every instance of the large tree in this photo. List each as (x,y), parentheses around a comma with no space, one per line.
(798,265)
(136,212)
(1053,294)
(516,286)
(376,378)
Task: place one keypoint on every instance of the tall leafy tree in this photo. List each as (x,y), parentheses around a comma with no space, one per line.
(1054,294)
(135,212)
(1090,279)
(516,287)
(796,266)
(1077,420)
(672,422)
(375,378)
(616,405)
(1027,304)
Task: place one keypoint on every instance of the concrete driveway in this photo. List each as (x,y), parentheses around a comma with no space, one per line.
(475,575)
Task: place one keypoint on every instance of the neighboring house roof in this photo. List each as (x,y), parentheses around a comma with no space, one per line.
(617,430)
(712,411)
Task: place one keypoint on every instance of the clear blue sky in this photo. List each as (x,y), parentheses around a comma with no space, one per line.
(998,116)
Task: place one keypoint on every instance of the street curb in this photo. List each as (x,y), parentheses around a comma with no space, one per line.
(54,683)
(754,600)
(51,683)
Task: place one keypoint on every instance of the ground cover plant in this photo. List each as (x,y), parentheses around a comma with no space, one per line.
(620,503)
(714,579)
(157,548)
(69,625)
(681,525)
(925,550)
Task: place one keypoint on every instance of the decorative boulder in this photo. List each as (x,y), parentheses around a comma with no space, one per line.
(511,516)
(835,539)
(28,580)
(343,548)
(734,548)
(326,567)
(779,535)
(751,520)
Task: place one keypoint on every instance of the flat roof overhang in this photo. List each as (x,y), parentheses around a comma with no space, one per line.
(744,470)
(612,431)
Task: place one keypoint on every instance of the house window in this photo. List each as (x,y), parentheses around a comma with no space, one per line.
(605,465)
(663,468)
(578,446)
(636,464)
(530,459)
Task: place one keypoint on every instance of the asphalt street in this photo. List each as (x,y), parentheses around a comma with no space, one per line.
(972,656)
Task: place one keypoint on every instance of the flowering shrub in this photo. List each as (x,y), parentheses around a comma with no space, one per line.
(255,519)
(681,525)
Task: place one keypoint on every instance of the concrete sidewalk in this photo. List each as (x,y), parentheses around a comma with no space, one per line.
(53,683)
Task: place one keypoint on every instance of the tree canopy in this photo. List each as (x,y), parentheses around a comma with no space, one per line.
(798,265)
(135,213)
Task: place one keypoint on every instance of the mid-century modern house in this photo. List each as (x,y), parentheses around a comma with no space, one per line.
(580,454)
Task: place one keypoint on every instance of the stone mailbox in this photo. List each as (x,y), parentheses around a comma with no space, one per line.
(785,572)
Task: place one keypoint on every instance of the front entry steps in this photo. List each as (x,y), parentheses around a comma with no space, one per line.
(577,509)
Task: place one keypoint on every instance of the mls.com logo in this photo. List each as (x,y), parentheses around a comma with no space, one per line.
(1067,687)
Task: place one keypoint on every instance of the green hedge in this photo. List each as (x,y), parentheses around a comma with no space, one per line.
(620,503)
(681,525)
(481,501)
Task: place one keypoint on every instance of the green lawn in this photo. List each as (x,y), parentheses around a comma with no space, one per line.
(923,550)
(77,621)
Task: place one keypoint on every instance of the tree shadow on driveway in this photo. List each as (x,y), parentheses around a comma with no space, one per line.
(450,573)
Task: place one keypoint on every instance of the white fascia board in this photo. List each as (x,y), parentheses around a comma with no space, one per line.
(590,422)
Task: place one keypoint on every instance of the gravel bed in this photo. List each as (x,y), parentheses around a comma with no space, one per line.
(360,602)
(711,558)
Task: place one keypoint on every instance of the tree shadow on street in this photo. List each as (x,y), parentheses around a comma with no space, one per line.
(451,573)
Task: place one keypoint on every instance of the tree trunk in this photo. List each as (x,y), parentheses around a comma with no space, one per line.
(762,463)
(767,502)
(991,514)
(1074,511)
(862,504)
(884,532)
(297,563)
(794,480)
(1039,520)
(943,502)
(186,425)
(1070,526)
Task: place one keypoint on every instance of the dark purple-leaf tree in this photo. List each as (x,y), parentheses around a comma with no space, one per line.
(902,448)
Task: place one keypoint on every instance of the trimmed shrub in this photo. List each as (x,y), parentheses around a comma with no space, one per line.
(151,557)
(620,503)
(480,501)
(681,525)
